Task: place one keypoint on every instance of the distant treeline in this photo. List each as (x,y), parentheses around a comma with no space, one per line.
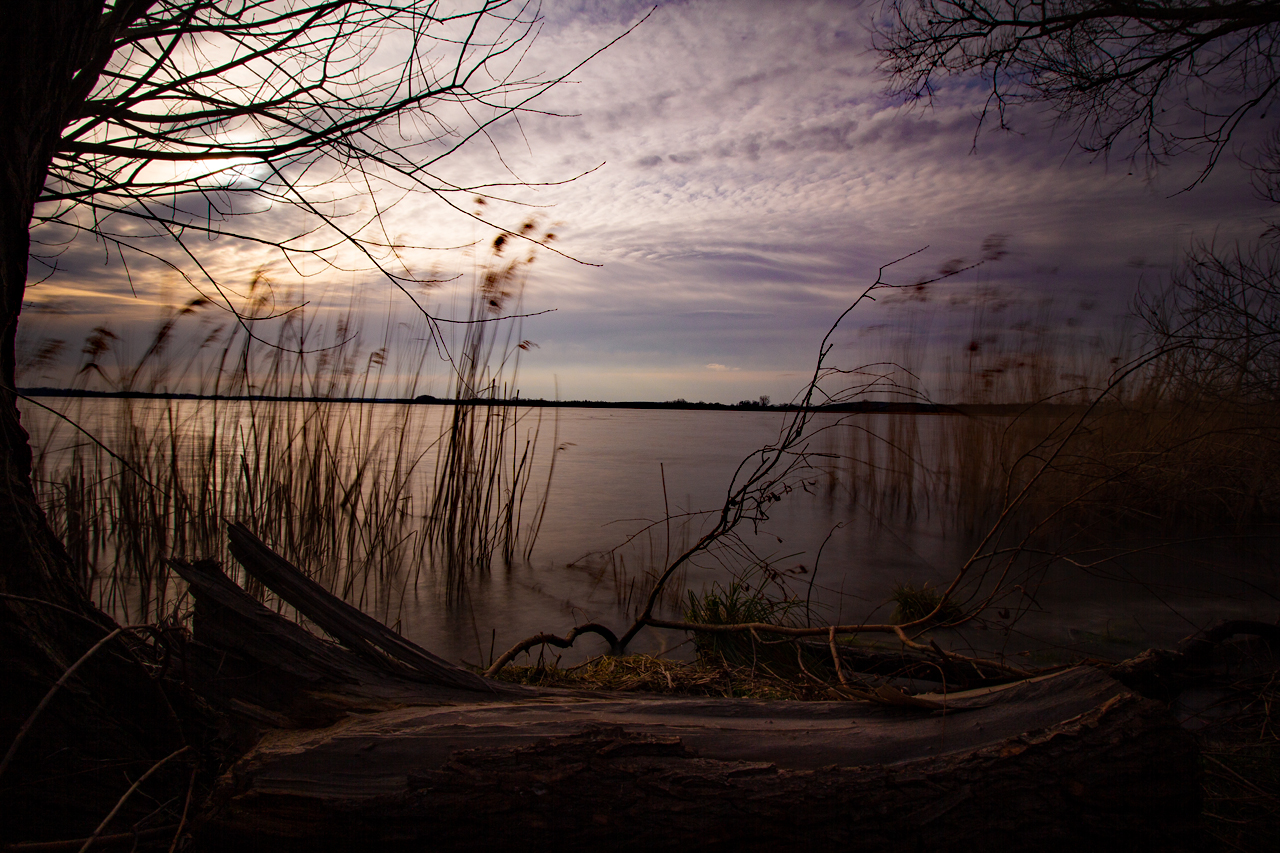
(861,406)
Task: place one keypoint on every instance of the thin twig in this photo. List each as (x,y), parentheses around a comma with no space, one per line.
(1241,780)
(177,835)
(785,630)
(48,697)
(124,798)
(28,600)
(551,639)
(77,843)
(835,656)
(804,670)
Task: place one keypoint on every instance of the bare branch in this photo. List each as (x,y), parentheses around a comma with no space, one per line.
(1149,78)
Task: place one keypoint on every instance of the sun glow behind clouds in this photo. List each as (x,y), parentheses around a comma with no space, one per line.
(753,181)
(239,173)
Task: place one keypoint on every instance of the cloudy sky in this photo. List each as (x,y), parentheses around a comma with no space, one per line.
(746,176)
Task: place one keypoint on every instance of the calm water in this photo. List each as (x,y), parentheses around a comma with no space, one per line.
(609,484)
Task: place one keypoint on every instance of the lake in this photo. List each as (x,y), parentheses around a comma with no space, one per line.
(884,515)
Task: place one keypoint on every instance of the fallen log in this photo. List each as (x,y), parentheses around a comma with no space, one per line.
(359,632)
(1164,673)
(264,671)
(1072,760)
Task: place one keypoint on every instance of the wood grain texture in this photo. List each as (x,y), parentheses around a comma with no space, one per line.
(1068,760)
(351,752)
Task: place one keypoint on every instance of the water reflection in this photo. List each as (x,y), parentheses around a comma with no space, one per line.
(891,512)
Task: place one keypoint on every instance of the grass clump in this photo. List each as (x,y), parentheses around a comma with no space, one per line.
(739,603)
(915,603)
(1242,795)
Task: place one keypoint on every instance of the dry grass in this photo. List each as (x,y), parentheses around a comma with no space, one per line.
(348,491)
(1109,440)
(646,674)
(484,464)
(1240,742)
(1242,795)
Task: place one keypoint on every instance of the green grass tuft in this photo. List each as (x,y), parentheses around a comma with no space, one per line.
(738,603)
(916,603)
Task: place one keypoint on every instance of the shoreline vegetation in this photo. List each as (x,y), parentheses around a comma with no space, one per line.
(888,407)
(1155,446)
(365,514)
(1054,446)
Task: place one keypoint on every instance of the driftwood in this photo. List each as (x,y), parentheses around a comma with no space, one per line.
(264,671)
(1164,673)
(361,751)
(1073,761)
(364,635)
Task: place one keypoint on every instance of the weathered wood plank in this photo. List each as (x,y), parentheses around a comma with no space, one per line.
(1072,759)
(364,635)
(261,669)
(366,753)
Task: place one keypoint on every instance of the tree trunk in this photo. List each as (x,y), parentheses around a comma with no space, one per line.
(110,722)
(1068,761)
(1072,761)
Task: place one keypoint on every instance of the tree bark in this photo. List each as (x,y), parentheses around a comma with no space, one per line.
(1069,761)
(110,722)
(1072,761)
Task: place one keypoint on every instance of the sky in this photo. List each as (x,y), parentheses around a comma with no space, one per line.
(742,176)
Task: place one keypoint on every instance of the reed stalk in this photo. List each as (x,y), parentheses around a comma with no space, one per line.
(346,489)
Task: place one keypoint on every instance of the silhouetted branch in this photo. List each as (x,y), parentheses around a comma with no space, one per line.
(1153,77)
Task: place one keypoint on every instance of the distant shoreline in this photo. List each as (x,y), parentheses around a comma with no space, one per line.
(863,406)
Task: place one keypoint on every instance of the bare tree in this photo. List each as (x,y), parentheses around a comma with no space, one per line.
(142,124)
(206,113)
(1147,78)
(1219,323)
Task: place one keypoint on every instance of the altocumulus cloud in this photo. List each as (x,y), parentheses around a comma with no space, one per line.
(753,167)
(749,179)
